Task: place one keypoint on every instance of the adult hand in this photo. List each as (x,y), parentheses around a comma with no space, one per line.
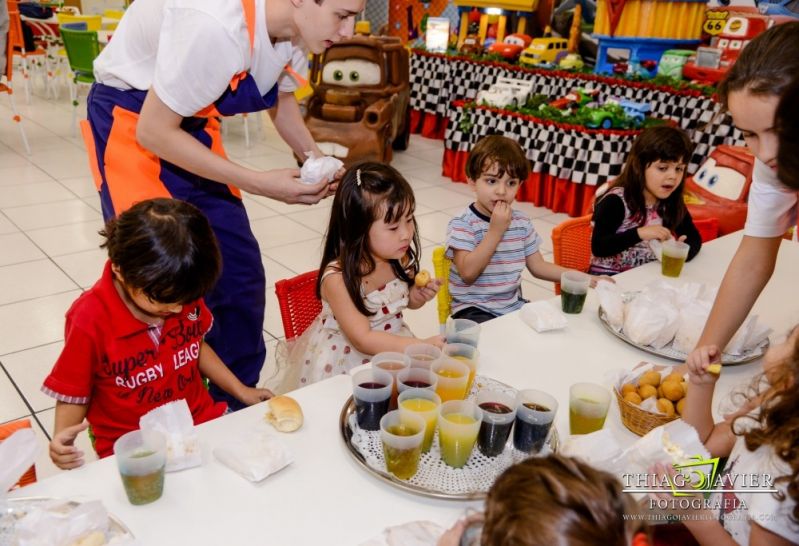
(647,233)
(63,451)
(500,218)
(698,361)
(284,185)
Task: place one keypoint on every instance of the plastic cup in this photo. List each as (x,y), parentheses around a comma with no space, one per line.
(458,425)
(672,257)
(462,331)
(573,289)
(422,355)
(141,458)
(393,363)
(416,378)
(371,391)
(453,376)
(425,404)
(499,412)
(467,354)
(535,412)
(402,435)
(588,407)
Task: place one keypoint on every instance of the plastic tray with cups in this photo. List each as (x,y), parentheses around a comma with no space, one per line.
(666,319)
(435,428)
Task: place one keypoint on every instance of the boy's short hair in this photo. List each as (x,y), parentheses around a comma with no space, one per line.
(557,500)
(165,248)
(499,150)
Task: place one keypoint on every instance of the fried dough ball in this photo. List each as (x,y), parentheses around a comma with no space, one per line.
(633,398)
(672,390)
(628,387)
(650,378)
(665,405)
(647,391)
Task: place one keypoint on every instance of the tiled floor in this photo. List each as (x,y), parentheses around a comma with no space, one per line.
(49,218)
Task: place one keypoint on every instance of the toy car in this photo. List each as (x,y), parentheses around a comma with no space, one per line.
(571,61)
(359,107)
(471,45)
(511,46)
(575,98)
(506,92)
(672,61)
(635,111)
(608,116)
(720,188)
(544,50)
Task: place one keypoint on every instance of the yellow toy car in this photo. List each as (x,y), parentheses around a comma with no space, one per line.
(545,50)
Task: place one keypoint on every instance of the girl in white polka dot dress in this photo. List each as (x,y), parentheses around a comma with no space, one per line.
(369,263)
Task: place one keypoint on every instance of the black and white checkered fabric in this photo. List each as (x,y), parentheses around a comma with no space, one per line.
(437,80)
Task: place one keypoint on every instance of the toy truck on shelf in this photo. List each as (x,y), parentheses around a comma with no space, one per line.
(506,92)
(711,63)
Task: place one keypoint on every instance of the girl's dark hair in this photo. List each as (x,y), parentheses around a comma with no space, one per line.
(165,248)
(777,424)
(656,144)
(766,65)
(787,123)
(367,191)
(506,153)
(558,500)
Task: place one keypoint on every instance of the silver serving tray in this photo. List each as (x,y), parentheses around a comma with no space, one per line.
(16,508)
(346,435)
(673,354)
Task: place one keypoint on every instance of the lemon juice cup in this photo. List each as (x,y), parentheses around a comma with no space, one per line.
(422,355)
(402,436)
(535,412)
(392,363)
(416,378)
(425,404)
(673,255)
(588,407)
(466,354)
(458,425)
(499,412)
(141,458)
(453,376)
(462,331)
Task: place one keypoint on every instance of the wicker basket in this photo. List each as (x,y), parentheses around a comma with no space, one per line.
(637,420)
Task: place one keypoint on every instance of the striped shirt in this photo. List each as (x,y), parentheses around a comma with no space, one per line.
(498,289)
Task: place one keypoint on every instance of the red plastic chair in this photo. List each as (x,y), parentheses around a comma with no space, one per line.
(6,430)
(299,305)
(571,244)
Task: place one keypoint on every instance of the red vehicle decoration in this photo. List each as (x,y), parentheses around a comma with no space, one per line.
(511,47)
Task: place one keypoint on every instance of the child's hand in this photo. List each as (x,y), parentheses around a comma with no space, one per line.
(596,278)
(500,217)
(647,233)
(438,341)
(698,363)
(63,451)
(428,291)
(252,395)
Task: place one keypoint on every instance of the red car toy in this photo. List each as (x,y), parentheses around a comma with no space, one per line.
(575,98)
(511,47)
(720,188)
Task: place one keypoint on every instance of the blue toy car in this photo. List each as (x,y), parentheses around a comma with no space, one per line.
(636,111)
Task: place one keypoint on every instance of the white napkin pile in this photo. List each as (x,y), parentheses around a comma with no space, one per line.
(254,455)
(316,169)
(17,453)
(414,533)
(543,316)
(57,523)
(175,422)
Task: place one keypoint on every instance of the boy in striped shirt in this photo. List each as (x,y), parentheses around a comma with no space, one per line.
(489,243)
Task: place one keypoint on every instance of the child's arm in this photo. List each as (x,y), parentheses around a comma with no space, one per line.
(421,295)
(69,422)
(470,265)
(718,438)
(608,217)
(356,326)
(548,271)
(212,367)
(688,233)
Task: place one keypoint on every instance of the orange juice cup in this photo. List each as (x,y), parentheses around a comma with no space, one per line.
(467,354)
(392,363)
(422,355)
(458,425)
(425,404)
(453,376)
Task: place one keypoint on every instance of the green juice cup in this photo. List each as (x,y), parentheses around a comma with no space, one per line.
(402,436)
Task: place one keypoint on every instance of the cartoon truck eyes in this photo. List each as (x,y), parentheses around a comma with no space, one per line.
(359,107)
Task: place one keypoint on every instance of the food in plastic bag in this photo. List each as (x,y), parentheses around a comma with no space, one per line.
(175,422)
(691,323)
(612,303)
(648,321)
(316,169)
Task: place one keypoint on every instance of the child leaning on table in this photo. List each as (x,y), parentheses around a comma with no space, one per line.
(490,243)
(366,281)
(644,203)
(134,340)
(760,439)
(550,501)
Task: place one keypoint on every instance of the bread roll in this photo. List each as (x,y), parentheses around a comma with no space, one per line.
(284,413)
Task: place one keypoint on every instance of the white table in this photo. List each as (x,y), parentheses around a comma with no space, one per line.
(324,497)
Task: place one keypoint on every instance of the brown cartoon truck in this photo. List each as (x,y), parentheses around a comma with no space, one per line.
(359,107)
